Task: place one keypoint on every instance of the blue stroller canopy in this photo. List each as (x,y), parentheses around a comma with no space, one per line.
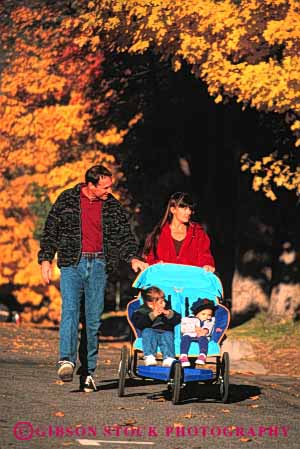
(183,280)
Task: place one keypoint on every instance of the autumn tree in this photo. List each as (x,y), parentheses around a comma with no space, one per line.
(54,105)
(246,51)
(57,106)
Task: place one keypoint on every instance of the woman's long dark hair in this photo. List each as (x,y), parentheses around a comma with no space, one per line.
(178,199)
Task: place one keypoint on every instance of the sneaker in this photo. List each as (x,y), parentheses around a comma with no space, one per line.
(183,359)
(167,362)
(66,370)
(87,384)
(150,360)
(201,359)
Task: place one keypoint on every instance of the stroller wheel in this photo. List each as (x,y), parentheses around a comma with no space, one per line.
(122,371)
(176,386)
(224,377)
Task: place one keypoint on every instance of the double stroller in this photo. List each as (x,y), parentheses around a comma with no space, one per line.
(182,285)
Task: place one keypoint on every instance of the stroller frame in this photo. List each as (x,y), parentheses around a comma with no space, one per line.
(176,376)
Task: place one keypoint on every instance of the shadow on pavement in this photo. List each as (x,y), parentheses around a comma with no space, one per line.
(210,393)
(192,392)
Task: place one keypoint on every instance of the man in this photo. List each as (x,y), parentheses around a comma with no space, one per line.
(89,230)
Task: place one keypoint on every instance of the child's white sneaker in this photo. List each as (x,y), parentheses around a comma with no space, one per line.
(150,360)
(168,362)
(201,359)
(183,359)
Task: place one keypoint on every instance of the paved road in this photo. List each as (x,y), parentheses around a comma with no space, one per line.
(263,411)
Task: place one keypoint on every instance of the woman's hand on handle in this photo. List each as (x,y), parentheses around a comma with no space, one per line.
(209,268)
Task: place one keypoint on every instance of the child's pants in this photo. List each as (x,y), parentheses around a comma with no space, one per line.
(152,339)
(186,341)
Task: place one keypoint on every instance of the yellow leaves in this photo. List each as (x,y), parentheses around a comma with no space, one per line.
(135,120)
(267,159)
(27,295)
(95,42)
(245,167)
(139,47)
(256,183)
(111,24)
(270,173)
(295,125)
(218,99)
(111,136)
(176,64)
(297,143)
(270,194)
(81,41)
(257,166)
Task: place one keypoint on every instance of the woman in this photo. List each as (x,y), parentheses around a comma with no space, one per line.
(176,239)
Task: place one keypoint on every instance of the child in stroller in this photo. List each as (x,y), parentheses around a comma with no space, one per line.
(197,327)
(182,285)
(156,323)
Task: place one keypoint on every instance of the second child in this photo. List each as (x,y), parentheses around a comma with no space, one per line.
(156,322)
(197,327)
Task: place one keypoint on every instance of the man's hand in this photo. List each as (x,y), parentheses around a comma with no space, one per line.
(46,270)
(209,268)
(137,265)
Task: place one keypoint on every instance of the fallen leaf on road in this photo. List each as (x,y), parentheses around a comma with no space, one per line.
(60,414)
(129,422)
(67,443)
(225,410)
(178,424)
(107,362)
(254,398)
(189,415)
(59,382)
(245,440)
(160,399)
(254,406)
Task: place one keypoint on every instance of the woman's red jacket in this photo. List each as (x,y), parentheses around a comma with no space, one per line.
(195,249)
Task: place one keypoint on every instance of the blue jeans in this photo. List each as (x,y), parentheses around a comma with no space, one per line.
(88,280)
(152,339)
(186,341)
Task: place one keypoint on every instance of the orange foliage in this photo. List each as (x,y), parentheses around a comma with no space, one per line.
(47,140)
(246,50)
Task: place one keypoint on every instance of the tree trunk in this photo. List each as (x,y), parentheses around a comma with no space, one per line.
(248,297)
(285,302)
(285,295)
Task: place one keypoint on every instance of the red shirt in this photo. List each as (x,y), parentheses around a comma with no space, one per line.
(195,249)
(91,224)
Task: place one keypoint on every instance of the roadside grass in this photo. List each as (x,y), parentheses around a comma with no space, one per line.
(261,327)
